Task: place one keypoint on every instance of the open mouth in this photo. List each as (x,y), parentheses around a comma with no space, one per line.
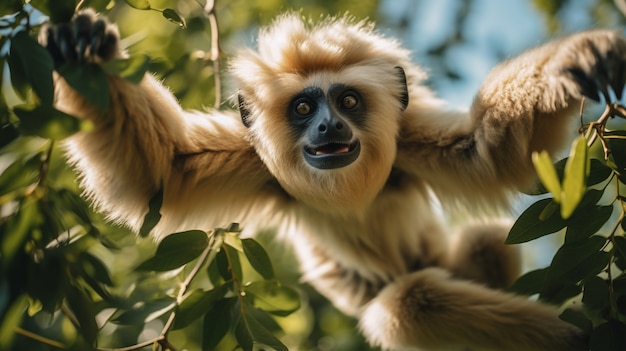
(330,149)
(332,155)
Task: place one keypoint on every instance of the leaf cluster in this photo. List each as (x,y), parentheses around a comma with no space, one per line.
(586,203)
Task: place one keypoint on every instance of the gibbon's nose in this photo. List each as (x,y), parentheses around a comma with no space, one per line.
(332,127)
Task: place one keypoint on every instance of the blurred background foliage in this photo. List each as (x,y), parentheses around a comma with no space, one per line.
(90,262)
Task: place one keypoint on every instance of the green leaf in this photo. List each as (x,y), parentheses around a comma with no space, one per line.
(547,173)
(60,11)
(36,65)
(576,318)
(176,250)
(532,225)
(8,133)
(596,294)
(216,323)
(47,122)
(18,228)
(587,223)
(609,336)
(21,173)
(153,216)
(271,297)
(620,251)
(90,81)
(95,268)
(249,330)
(228,264)
(598,172)
(575,177)
(85,313)
(196,304)
(139,4)
(132,69)
(530,283)
(145,312)
(174,17)
(258,258)
(617,144)
(11,319)
(574,262)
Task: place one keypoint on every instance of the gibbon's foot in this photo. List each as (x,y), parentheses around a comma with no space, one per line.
(596,62)
(430,310)
(88,38)
(480,255)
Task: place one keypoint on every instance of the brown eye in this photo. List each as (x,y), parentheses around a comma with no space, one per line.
(303,108)
(349,101)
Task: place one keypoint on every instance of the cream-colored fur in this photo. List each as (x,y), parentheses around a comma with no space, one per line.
(366,234)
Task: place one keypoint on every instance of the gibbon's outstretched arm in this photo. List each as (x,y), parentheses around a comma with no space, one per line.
(525,104)
(145,141)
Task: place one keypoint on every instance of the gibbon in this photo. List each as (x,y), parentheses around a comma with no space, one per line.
(341,148)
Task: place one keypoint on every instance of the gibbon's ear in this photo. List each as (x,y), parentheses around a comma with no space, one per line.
(243,111)
(404,96)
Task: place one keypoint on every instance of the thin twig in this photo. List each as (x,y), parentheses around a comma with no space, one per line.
(209,11)
(41,339)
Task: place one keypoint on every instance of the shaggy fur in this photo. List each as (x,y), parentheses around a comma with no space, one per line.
(366,234)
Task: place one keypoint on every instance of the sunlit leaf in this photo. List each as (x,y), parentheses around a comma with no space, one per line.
(22,172)
(11,319)
(145,312)
(17,228)
(176,250)
(90,81)
(531,225)
(271,297)
(575,177)
(258,258)
(547,173)
(47,122)
(36,65)
(139,4)
(174,17)
(576,318)
(152,218)
(216,323)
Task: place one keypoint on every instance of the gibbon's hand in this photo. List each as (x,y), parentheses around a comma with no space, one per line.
(596,62)
(88,38)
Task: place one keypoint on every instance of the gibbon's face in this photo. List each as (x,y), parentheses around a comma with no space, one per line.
(323,105)
(323,121)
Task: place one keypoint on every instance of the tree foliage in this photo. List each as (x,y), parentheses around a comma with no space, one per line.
(586,202)
(70,280)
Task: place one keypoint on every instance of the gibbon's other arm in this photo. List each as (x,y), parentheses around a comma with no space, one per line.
(525,104)
(145,140)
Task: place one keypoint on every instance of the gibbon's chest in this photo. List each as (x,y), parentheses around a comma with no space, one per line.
(398,233)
